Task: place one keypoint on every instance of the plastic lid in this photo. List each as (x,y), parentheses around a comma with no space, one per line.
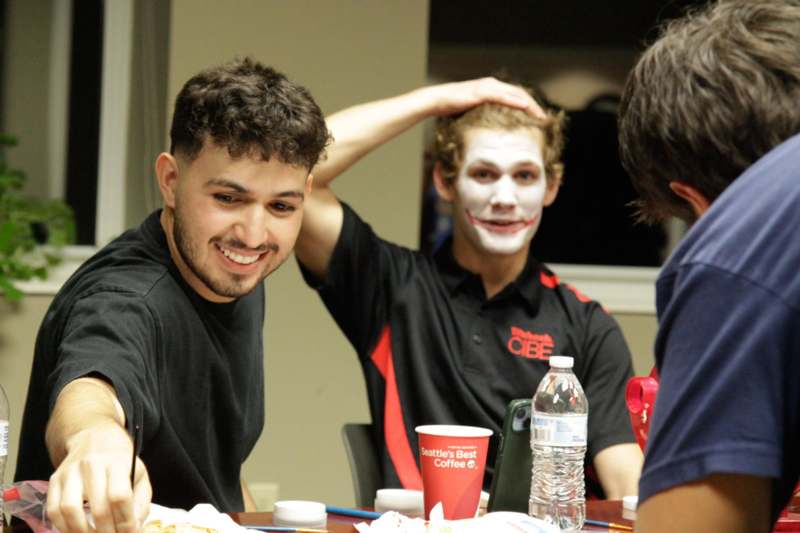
(299,513)
(448,430)
(560,361)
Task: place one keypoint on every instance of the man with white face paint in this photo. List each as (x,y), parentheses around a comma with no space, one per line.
(453,337)
(500,191)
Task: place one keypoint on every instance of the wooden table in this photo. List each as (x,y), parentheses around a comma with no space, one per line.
(608,511)
(605,510)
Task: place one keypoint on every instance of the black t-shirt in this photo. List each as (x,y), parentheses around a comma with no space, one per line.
(434,350)
(188,371)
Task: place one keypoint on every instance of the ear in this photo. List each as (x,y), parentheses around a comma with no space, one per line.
(445,187)
(167,176)
(309,183)
(695,198)
(553,185)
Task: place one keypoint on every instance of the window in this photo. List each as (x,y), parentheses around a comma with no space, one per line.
(83,90)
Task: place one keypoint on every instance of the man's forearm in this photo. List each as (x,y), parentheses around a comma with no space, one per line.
(619,468)
(247,498)
(360,129)
(356,131)
(82,404)
(92,453)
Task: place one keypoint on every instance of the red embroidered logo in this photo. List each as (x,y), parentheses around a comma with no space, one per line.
(530,345)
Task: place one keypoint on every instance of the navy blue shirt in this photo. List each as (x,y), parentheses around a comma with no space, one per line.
(728,346)
(435,350)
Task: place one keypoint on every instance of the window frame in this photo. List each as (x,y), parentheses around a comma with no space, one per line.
(112,156)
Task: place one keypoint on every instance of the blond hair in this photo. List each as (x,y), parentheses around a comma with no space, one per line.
(448,148)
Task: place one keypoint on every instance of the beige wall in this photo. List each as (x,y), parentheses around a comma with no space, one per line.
(18,326)
(640,332)
(26,70)
(345,52)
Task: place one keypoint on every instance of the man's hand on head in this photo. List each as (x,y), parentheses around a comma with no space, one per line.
(449,98)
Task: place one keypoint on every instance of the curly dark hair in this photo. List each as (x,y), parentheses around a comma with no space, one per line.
(249,109)
(448,146)
(719,89)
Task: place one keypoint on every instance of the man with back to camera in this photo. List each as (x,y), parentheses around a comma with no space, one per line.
(454,337)
(162,328)
(709,128)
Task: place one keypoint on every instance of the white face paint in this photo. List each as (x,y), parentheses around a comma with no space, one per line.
(501,189)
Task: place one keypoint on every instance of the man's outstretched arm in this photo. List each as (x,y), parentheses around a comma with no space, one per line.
(362,128)
(92,452)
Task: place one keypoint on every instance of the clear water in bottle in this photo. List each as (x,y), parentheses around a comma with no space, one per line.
(3,448)
(558,443)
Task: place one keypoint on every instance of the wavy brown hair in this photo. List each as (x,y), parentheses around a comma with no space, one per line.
(448,147)
(249,109)
(719,89)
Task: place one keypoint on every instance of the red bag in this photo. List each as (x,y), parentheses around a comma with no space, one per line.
(640,395)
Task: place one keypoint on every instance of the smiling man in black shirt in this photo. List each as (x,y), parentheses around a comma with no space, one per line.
(160,332)
(452,338)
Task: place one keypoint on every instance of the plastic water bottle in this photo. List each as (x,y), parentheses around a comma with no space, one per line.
(558,442)
(3,448)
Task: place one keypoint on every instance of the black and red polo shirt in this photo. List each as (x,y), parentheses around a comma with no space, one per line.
(435,351)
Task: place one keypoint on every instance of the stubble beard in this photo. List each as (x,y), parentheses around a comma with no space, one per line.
(234,288)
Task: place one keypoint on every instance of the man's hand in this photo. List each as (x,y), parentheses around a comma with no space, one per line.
(92,451)
(97,469)
(456,97)
(360,129)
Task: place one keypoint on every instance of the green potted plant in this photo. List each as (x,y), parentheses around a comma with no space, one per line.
(32,231)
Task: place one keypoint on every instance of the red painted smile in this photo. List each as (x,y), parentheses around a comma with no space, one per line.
(501,225)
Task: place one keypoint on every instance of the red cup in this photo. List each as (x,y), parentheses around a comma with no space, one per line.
(453,459)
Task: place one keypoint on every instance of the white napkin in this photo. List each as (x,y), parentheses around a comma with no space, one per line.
(202,514)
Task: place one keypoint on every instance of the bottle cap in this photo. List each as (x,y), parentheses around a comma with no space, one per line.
(300,514)
(560,361)
(11,494)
